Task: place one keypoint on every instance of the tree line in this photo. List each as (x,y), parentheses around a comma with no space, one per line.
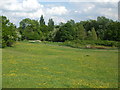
(29,29)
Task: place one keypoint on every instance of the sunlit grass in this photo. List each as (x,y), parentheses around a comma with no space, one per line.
(34,65)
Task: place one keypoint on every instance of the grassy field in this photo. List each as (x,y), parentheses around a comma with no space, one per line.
(34,65)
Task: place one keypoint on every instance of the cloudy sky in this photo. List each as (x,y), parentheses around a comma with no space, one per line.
(59,11)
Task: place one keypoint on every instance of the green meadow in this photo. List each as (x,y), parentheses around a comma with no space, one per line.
(38,65)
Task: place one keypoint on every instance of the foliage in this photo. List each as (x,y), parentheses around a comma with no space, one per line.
(93,42)
(94,35)
(80,33)
(64,33)
(104,27)
(29,29)
(51,24)
(9,32)
(100,29)
(113,31)
(0,32)
(34,30)
(51,30)
(42,22)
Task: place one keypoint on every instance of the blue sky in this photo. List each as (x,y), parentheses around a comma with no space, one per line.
(16,10)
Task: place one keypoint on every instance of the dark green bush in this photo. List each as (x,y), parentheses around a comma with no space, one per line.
(9,32)
(81,43)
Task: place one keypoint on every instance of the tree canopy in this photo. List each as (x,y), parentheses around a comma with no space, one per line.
(9,32)
(29,29)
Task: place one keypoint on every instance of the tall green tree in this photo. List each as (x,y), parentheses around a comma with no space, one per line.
(79,31)
(51,30)
(65,32)
(72,22)
(45,32)
(94,35)
(0,31)
(42,22)
(30,30)
(9,32)
(89,35)
(103,23)
(113,31)
(51,24)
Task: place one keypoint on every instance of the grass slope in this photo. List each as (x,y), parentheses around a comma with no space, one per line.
(34,65)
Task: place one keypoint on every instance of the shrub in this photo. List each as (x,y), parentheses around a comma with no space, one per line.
(9,34)
(91,43)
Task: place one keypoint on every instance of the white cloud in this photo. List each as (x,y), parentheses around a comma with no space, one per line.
(93,0)
(26,8)
(32,15)
(110,9)
(30,8)
(25,5)
(13,6)
(76,11)
(5,4)
(106,0)
(58,19)
(109,12)
(89,7)
(60,10)
(17,10)
(31,4)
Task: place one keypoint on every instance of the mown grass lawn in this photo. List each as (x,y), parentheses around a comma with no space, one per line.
(34,65)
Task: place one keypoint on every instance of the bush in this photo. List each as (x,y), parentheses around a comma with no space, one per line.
(91,44)
(9,34)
